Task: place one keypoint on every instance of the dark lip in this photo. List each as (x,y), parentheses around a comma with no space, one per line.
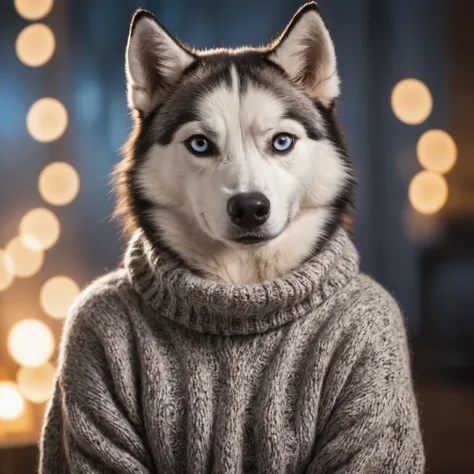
(252,239)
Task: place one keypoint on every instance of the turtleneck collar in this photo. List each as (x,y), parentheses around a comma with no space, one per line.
(177,293)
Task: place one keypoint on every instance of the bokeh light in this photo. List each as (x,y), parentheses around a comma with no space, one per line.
(57,295)
(30,343)
(421,227)
(12,403)
(59,183)
(33,9)
(47,120)
(411,101)
(39,229)
(36,383)
(3,373)
(35,45)
(26,261)
(428,192)
(7,270)
(437,151)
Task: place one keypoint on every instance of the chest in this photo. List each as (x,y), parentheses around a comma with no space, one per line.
(221,405)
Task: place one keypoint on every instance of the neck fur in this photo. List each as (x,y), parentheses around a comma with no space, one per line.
(240,265)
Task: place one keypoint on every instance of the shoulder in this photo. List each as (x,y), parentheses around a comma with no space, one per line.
(368,295)
(103,304)
(98,339)
(104,288)
(373,311)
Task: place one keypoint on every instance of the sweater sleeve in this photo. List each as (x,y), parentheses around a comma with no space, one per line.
(93,422)
(369,412)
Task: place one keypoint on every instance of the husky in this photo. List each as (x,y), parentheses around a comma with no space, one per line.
(237,162)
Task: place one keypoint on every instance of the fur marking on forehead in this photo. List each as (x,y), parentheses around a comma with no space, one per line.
(234,86)
(250,107)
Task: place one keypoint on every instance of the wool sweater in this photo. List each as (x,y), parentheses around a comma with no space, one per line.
(163,371)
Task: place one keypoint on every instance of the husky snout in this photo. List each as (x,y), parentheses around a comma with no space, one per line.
(249,210)
(237,154)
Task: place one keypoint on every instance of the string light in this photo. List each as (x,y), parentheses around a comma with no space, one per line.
(35,45)
(411,101)
(57,295)
(437,151)
(59,183)
(12,403)
(26,261)
(47,120)
(36,383)
(33,9)
(39,229)
(30,343)
(428,192)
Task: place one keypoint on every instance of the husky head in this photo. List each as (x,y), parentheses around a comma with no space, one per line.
(236,162)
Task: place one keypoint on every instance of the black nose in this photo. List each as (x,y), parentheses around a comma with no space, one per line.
(248,210)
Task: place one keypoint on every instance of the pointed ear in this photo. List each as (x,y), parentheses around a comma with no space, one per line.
(305,51)
(154,62)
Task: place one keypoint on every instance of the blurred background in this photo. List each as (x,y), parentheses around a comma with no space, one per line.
(407,108)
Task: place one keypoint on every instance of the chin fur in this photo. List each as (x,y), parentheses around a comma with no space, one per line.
(239,100)
(239,264)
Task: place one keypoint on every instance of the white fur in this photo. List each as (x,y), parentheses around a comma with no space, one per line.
(171,58)
(290,55)
(193,192)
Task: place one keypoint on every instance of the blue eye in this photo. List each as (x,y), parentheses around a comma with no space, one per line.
(199,145)
(283,142)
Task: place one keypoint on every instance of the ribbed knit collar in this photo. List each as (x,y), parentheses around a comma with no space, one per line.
(175,292)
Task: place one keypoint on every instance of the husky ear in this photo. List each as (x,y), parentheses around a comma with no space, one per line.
(305,51)
(154,62)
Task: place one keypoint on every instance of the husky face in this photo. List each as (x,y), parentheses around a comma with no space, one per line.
(236,153)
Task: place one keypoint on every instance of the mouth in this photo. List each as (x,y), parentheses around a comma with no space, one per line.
(252,239)
(259,238)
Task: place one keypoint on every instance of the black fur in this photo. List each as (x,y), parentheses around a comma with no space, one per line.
(181,106)
(343,203)
(311,6)
(140,205)
(140,14)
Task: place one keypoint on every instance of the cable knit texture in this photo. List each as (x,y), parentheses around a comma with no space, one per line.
(162,371)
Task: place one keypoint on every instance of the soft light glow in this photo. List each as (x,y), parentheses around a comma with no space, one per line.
(30,343)
(47,120)
(39,228)
(428,192)
(11,401)
(36,383)
(411,101)
(3,373)
(26,261)
(57,295)
(437,151)
(33,9)
(7,270)
(421,227)
(59,183)
(35,45)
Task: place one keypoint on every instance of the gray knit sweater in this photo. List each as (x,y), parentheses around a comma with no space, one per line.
(164,372)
